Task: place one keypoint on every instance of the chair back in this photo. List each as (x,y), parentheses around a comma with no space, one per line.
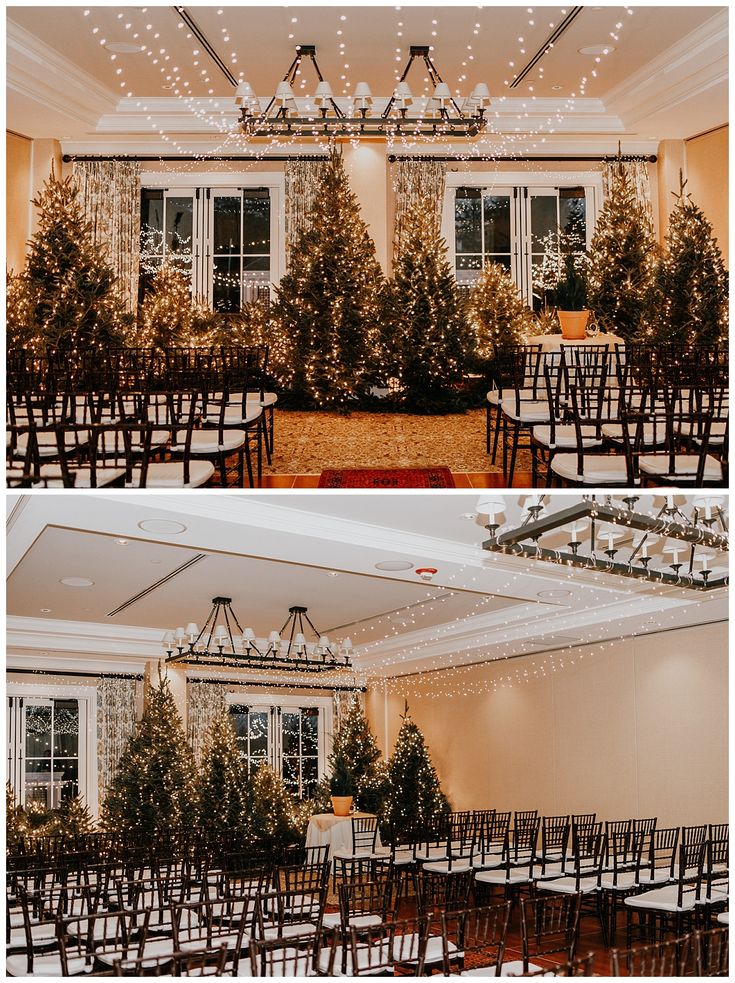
(549,924)
(672,957)
(477,933)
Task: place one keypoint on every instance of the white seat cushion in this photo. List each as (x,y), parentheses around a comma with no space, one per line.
(51,473)
(663,899)
(233,415)
(332,920)
(686,466)
(599,469)
(724,918)
(517,876)
(530,411)
(290,962)
(652,436)
(515,968)
(624,882)
(568,885)
(369,964)
(171,475)
(47,446)
(289,930)
(269,399)
(206,442)
(565,436)
(113,443)
(45,966)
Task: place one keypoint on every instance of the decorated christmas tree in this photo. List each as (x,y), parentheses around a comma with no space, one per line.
(414,788)
(154,788)
(425,323)
(169,317)
(691,283)
(329,302)
(274,816)
(21,329)
(355,744)
(621,262)
(224,807)
(16,824)
(497,314)
(69,291)
(72,819)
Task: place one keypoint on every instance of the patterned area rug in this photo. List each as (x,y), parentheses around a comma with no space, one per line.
(387,478)
(309,443)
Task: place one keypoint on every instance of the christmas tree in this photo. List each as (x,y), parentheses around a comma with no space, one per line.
(70,294)
(497,314)
(274,817)
(425,321)
(691,283)
(355,744)
(16,824)
(169,317)
(329,302)
(20,327)
(414,788)
(154,788)
(621,262)
(223,786)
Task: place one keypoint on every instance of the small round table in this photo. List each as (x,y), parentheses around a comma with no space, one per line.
(326,829)
(553,342)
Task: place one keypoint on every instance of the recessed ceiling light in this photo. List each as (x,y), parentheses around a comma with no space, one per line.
(556,88)
(76,582)
(45,610)
(122,542)
(468,515)
(596,49)
(124,47)
(165,526)
(554,593)
(394,565)
(332,573)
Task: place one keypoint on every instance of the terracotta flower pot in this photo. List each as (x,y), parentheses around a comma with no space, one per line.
(573,324)
(341,804)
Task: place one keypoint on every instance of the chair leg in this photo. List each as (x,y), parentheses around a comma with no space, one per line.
(222,469)
(514,449)
(249,461)
(496,435)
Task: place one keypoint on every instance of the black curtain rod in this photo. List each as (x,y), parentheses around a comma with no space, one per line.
(247,682)
(71,672)
(68,158)
(650,158)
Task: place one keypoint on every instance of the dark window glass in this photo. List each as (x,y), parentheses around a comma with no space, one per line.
(468,220)
(497,223)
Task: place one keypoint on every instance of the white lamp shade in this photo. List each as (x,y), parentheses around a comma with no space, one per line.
(192,630)
(441,93)
(244,94)
(300,640)
(362,92)
(179,634)
(576,528)
(220,632)
(249,635)
(324,641)
(610,535)
(323,93)
(481,94)
(402,94)
(284,93)
(490,507)
(274,638)
(347,644)
(168,640)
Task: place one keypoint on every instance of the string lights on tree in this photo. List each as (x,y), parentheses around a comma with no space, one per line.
(414,790)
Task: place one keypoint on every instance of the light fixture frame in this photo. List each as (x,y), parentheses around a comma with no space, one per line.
(512,542)
(458,124)
(273,656)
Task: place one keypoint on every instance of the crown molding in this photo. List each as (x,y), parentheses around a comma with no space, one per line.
(44,75)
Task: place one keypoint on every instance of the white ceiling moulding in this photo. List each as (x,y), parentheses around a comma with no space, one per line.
(133,646)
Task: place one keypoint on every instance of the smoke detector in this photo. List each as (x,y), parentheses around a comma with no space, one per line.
(426,573)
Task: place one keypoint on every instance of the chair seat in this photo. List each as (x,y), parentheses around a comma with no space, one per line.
(501,876)
(724,918)
(206,442)
(268,399)
(515,968)
(566,436)
(45,965)
(51,474)
(406,949)
(431,853)
(233,415)
(442,866)
(46,442)
(171,475)
(685,466)
(289,930)
(568,885)
(368,964)
(652,436)
(291,962)
(624,882)
(532,411)
(599,469)
(112,443)
(332,920)
(663,899)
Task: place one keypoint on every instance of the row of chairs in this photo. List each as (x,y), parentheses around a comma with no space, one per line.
(590,416)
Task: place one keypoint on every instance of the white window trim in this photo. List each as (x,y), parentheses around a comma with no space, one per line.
(275,181)
(88,783)
(326,715)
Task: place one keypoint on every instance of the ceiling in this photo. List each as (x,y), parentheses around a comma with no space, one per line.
(666,77)
(268,552)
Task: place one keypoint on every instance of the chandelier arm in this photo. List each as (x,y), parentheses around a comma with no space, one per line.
(435,78)
(311,625)
(335,107)
(204,628)
(638,548)
(229,628)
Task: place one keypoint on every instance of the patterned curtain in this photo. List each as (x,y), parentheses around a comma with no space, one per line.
(206,701)
(109,193)
(417,182)
(116,719)
(342,703)
(637,173)
(302,181)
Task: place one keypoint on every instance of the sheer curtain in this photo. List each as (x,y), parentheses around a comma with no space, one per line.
(206,702)
(417,182)
(109,194)
(637,173)
(302,182)
(117,701)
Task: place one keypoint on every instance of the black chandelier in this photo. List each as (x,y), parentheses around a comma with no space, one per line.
(223,642)
(595,530)
(441,115)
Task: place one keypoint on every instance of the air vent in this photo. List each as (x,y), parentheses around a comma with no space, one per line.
(159,583)
(549,642)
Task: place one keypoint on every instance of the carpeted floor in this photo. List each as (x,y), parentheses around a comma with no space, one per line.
(307,443)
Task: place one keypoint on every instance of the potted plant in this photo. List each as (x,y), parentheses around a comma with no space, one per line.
(341,786)
(571,301)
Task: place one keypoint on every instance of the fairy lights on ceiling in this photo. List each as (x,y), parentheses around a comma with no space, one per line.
(509,123)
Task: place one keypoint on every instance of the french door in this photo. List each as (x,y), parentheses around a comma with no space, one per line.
(510,225)
(47,759)
(290,737)
(220,238)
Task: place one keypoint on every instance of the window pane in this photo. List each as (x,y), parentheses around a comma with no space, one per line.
(543,218)
(226,283)
(291,774)
(38,781)
(259,733)
(179,217)
(497,223)
(310,731)
(151,222)
(309,777)
(291,728)
(256,222)
(573,216)
(239,718)
(226,225)
(503,260)
(257,264)
(66,780)
(468,220)
(38,732)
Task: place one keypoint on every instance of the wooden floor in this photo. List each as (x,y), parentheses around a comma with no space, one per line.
(521,479)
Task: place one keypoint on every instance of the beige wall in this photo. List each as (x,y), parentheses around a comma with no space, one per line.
(640,728)
(707,172)
(28,165)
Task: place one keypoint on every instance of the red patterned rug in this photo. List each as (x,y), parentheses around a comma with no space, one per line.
(388,478)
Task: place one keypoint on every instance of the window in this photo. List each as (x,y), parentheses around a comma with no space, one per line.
(510,225)
(290,737)
(47,749)
(222,238)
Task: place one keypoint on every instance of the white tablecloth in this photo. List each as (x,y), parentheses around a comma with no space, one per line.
(552,342)
(326,829)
